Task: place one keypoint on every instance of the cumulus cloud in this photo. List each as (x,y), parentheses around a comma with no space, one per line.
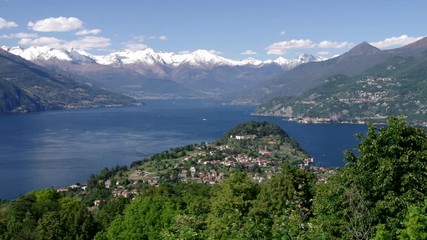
(88,32)
(137,42)
(282,33)
(329,44)
(88,42)
(84,43)
(249,52)
(59,24)
(215,52)
(6,24)
(19,35)
(41,42)
(281,48)
(395,41)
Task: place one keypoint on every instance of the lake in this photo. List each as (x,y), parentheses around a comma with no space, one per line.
(61,148)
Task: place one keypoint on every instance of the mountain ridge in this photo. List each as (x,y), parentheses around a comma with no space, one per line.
(310,75)
(27,87)
(150,74)
(148,56)
(395,87)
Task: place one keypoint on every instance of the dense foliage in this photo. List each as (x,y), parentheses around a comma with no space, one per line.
(379,194)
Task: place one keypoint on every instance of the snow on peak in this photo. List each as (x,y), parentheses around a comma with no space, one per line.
(198,58)
(46,53)
(282,61)
(78,55)
(300,59)
(202,57)
(251,61)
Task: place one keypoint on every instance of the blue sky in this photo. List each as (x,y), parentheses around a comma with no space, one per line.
(236,29)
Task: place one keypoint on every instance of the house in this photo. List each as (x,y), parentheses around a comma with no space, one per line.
(97,202)
(265,153)
(243,137)
(62,190)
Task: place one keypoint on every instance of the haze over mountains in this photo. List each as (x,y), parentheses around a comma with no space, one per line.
(150,74)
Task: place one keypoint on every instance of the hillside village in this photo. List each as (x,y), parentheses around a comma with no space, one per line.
(261,155)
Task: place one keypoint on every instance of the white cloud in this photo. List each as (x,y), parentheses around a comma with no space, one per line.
(20,35)
(281,48)
(282,33)
(215,52)
(323,53)
(136,43)
(152,37)
(395,41)
(329,44)
(133,46)
(5,24)
(60,24)
(88,32)
(88,42)
(84,43)
(41,42)
(184,52)
(249,52)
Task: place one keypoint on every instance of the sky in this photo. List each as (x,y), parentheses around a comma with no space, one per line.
(234,29)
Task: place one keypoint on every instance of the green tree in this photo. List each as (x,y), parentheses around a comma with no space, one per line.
(110,210)
(231,203)
(383,177)
(51,226)
(72,221)
(283,205)
(390,170)
(185,227)
(17,218)
(415,223)
(341,211)
(144,218)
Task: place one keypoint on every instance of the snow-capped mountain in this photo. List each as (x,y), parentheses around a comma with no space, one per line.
(148,73)
(46,54)
(203,58)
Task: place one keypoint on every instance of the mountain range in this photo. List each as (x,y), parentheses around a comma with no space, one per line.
(295,85)
(203,58)
(307,76)
(150,74)
(25,87)
(395,84)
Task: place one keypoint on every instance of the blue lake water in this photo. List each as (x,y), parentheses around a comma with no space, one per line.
(60,148)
